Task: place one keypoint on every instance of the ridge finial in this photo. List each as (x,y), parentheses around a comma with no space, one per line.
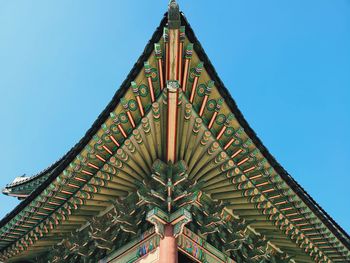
(174,21)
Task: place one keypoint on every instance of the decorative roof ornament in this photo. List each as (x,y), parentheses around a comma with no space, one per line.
(174,20)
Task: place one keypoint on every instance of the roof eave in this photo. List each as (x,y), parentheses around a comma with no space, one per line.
(309,201)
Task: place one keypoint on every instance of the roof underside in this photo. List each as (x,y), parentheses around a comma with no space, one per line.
(214,140)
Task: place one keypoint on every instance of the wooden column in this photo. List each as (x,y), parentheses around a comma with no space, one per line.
(168,246)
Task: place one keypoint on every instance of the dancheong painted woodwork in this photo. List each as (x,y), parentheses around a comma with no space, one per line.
(169,172)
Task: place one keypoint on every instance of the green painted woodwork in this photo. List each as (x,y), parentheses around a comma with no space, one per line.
(200,249)
(135,249)
(226,191)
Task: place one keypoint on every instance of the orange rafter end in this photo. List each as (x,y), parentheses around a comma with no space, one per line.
(161,78)
(114,140)
(212,120)
(243,161)
(193,91)
(122,130)
(236,153)
(53,203)
(107,150)
(80,179)
(100,158)
(60,198)
(92,165)
(229,143)
(179,71)
(73,185)
(255,177)
(268,190)
(86,172)
(221,132)
(204,102)
(150,85)
(139,103)
(66,192)
(184,81)
(131,119)
(249,169)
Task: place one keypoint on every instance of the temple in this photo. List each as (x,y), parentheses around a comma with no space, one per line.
(169,172)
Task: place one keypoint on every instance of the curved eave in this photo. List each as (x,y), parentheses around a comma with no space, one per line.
(20,196)
(302,194)
(36,176)
(69,157)
(23,188)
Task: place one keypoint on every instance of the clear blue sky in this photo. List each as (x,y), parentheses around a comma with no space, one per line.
(286,63)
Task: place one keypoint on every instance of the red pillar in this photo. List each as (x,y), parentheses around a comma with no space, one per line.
(168,246)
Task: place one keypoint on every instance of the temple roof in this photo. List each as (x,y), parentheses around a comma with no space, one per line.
(38,187)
